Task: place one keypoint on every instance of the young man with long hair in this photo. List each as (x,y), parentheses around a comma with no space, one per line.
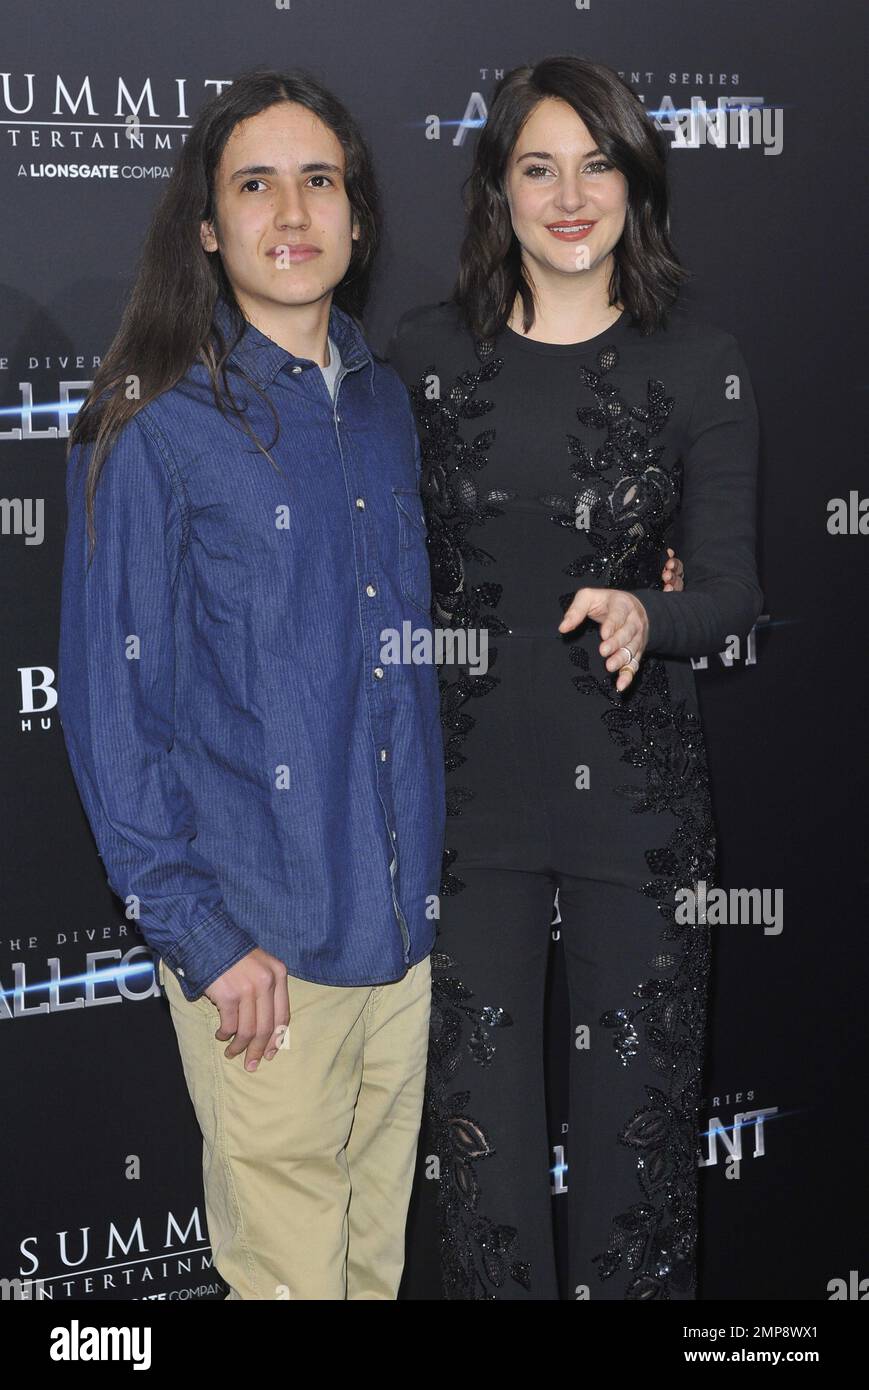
(265,789)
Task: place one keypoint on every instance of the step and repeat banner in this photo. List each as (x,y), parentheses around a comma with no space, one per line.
(101,1194)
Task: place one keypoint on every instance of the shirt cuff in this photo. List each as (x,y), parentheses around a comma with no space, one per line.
(210,948)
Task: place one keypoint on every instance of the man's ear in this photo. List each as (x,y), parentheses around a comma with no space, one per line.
(207,237)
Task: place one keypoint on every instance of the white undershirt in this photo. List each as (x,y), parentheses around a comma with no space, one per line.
(330,372)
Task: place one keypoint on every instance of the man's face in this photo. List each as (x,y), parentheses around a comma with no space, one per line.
(284,226)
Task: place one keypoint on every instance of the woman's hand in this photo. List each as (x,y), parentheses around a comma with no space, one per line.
(624,623)
(672,574)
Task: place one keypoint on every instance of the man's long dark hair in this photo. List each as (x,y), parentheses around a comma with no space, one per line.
(646,272)
(167,324)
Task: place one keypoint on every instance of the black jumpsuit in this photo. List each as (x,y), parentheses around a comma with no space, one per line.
(547,468)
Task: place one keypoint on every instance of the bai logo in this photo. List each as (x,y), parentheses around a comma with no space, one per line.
(75,1343)
(38,697)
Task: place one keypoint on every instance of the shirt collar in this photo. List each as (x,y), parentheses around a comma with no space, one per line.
(262,358)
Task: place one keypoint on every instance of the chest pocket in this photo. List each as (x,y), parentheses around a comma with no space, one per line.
(415,575)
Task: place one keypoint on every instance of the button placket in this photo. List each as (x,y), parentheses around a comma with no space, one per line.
(378,692)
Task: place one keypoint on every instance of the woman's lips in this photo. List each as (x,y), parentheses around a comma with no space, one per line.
(576,232)
(294,253)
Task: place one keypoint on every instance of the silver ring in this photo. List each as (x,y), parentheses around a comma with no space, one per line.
(630,654)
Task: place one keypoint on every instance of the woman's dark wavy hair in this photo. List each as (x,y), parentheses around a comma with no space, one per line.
(167,323)
(646,273)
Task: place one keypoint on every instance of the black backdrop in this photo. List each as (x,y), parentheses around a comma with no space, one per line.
(101,1193)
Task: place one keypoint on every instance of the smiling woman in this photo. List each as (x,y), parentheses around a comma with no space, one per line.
(582,422)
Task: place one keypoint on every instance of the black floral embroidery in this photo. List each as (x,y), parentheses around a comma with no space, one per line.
(630,499)
(478,1255)
(625,497)
(454,503)
(656,1238)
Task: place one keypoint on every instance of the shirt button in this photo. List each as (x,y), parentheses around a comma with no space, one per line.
(378,672)
(383,755)
(296,370)
(179,971)
(394,835)
(360,502)
(370,590)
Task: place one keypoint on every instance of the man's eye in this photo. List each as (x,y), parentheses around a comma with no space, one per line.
(322,176)
(249,182)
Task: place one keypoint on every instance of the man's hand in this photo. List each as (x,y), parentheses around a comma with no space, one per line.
(624,623)
(254,1005)
(672,574)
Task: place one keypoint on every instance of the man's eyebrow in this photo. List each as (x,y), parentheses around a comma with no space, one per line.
(318,167)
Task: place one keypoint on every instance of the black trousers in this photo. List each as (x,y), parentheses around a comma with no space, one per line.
(542,795)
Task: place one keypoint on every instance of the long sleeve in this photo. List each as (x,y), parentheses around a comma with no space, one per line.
(116,684)
(717,528)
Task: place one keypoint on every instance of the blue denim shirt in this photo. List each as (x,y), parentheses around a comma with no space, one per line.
(253,770)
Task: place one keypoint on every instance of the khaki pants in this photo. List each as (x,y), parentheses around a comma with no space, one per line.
(308,1162)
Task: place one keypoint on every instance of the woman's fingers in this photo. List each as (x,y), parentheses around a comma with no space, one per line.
(672,574)
(587,603)
(630,639)
(629,636)
(623,624)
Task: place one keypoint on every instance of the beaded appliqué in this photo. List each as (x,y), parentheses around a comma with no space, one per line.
(655,1238)
(453,503)
(625,497)
(478,1255)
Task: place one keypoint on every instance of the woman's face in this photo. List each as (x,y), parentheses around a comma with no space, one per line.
(567,202)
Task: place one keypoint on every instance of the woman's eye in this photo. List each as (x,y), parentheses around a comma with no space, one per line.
(600,166)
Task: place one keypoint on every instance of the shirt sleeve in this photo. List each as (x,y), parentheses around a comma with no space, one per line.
(716,536)
(116,703)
